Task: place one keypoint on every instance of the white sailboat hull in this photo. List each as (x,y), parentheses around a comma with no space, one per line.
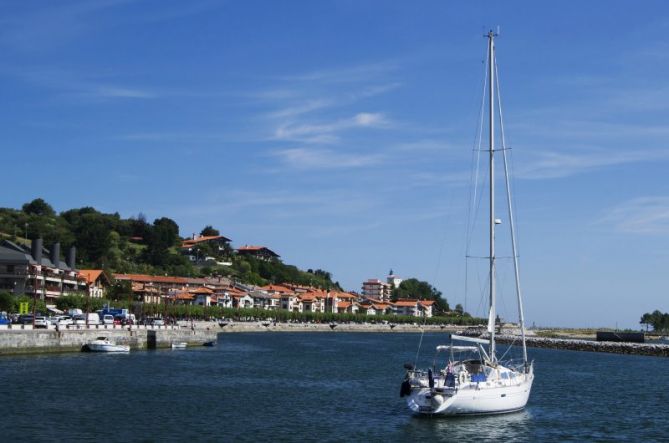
(101,345)
(472,398)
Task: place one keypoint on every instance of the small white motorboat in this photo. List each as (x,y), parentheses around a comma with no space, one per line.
(179,345)
(103,344)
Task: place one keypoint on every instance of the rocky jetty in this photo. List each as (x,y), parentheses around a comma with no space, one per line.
(650,349)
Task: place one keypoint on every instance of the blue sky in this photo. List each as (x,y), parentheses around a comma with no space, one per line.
(340,133)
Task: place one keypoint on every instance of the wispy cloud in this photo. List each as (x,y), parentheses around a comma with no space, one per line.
(311,158)
(36,28)
(356,73)
(563,164)
(67,84)
(643,215)
(328,132)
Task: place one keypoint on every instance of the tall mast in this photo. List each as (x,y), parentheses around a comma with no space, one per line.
(491,105)
(514,249)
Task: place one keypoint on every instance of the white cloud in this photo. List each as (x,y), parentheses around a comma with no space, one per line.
(327,132)
(306,158)
(643,215)
(348,73)
(369,119)
(562,164)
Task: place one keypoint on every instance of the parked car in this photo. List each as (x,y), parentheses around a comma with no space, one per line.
(158,322)
(64,320)
(25,319)
(42,322)
(108,319)
(93,319)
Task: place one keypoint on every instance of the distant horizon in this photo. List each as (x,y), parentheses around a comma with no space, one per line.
(341,133)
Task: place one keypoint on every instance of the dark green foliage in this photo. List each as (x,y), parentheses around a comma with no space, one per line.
(120,290)
(209,231)
(657,320)
(6,302)
(82,302)
(135,246)
(40,306)
(163,236)
(420,290)
(262,272)
(38,207)
(212,312)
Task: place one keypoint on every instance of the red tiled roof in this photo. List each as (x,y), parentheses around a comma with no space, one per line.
(276,288)
(346,295)
(247,248)
(184,296)
(411,303)
(193,241)
(91,275)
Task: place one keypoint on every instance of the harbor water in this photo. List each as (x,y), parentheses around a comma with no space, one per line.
(315,387)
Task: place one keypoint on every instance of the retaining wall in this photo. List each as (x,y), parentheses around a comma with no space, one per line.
(26,341)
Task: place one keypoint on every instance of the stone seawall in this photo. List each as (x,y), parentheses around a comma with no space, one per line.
(649,349)
(27,341)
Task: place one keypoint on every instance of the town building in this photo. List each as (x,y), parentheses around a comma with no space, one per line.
(393,280)
(97,281)
(376,289)
(39,272)
(415,308)
(259,252)
(196,248)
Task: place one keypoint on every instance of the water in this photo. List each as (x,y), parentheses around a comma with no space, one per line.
(315,387)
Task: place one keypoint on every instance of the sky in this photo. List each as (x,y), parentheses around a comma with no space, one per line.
(340,134)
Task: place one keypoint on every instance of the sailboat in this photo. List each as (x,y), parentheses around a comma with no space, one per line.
(474,380)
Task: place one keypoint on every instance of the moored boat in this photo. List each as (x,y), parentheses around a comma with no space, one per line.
(103,344)
(179,345)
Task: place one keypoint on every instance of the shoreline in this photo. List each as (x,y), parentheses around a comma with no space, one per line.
(43,341)
(565,344)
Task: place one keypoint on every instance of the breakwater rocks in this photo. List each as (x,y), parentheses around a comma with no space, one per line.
(28,341)
(655,350)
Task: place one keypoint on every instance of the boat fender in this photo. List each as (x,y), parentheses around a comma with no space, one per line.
(430,378)
(405,389)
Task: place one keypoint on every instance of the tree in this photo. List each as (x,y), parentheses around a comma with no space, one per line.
(164,235)
(38,207)
(420,290)
(120,290)
(6,302)
(459,309)
(658,320)
(92,238)
(209,231)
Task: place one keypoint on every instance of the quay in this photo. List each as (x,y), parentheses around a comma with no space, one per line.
(32,341)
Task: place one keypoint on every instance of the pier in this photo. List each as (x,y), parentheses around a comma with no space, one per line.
(32,341)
